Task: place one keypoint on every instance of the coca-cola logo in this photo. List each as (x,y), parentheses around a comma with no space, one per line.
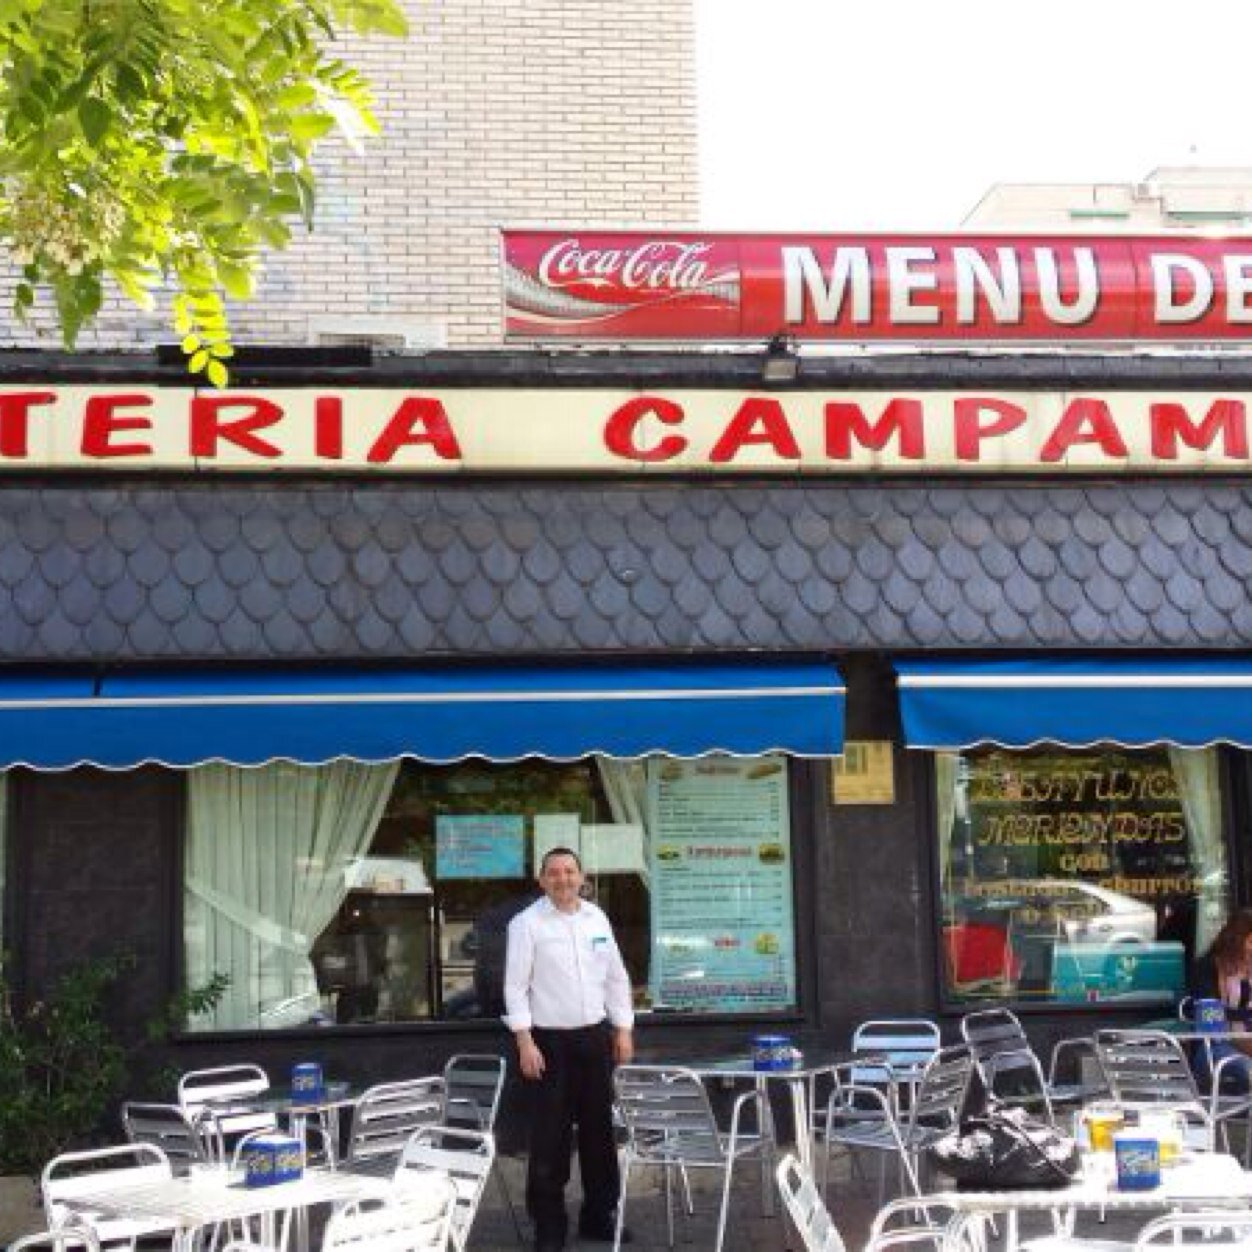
(654,265)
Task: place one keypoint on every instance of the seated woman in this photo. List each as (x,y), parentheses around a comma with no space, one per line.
(1224,973)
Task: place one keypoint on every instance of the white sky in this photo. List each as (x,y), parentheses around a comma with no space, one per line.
(899,114)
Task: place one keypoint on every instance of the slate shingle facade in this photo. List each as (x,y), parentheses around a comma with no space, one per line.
(258,572)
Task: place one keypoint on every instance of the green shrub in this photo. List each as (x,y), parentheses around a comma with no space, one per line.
(63,1067)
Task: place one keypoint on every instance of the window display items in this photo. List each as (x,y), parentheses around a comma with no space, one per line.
(1078,875)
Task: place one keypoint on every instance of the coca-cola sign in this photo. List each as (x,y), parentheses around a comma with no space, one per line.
(590,285)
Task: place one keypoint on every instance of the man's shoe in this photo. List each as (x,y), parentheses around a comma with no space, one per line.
(549,1243)
(602,1232)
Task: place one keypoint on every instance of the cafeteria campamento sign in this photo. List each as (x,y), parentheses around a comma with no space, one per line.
(602,431)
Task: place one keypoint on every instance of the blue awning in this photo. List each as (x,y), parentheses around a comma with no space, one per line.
(1017,704)
(189,717)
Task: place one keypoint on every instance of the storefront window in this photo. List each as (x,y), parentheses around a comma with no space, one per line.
(353,893)
(1078,876)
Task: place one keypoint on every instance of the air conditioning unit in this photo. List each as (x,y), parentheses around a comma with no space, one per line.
(381,332)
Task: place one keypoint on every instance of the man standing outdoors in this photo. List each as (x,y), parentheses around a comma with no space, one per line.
(567,1002)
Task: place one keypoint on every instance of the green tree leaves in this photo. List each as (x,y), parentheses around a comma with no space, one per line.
(168,142)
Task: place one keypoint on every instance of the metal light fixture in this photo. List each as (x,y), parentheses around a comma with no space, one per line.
(782,360)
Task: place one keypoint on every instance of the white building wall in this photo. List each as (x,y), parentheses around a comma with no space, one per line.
(1167,200)
(494,112)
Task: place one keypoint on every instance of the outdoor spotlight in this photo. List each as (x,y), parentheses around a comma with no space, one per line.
(782,361)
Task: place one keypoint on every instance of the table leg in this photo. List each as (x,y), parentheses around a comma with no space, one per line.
(767,1129)
(800,1114)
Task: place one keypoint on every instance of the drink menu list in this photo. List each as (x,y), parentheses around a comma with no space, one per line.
(720,863)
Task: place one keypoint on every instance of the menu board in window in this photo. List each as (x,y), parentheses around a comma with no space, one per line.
(488,845)
(720,861)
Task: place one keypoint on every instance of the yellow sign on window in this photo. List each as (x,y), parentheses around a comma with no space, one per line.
(865,774)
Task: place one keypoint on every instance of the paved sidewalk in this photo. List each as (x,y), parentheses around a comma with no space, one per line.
(853,1202)
(746,1231)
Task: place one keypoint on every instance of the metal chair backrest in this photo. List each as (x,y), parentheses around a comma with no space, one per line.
(465,1156)
(74,1175)
(996,1033)
(389,1113)
(170,1129)
(803,1202)
(412,1219)
(1146,1067)
(941,1088)
(907,1045)
(1217,1229)
(667,1114)
(226,1091)
(472,1083)
(69,1239)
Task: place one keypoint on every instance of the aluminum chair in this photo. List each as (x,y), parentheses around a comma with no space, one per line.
(911,1220)
(1006,1062)
(388,1114)
(806,1208)
(861,1116)
(473,1083)
(412,1219)
(905,1044)
(226,1092)
(1149,1067)
(184,1142)
(1221,1230)
(67,1239)
(1010,1068)
(465,1156)
(670,1126)
(900,1222)
(74,1175)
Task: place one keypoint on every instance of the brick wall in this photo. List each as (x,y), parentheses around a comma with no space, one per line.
(494,112)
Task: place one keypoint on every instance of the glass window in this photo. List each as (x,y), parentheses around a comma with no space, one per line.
(1078,876)
(353,893)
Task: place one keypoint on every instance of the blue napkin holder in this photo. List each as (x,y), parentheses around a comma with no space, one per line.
(307,1083)
(272,1159)
(1210,1016)
(772,1052)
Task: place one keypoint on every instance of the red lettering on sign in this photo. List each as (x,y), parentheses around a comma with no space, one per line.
(101,421)
(15,410)
(969,429)
(1170,423)
(208,426)
(328,428)
(418,422)
(1084,421)
(900,419)
(620,430)
(758,420)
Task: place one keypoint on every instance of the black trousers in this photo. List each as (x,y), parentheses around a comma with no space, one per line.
(576,1090)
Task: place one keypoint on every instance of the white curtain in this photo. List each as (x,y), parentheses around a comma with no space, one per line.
(947,765)
(1195,771)
(626,786)
(267,855)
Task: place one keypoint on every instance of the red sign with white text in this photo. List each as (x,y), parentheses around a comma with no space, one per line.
(650,286)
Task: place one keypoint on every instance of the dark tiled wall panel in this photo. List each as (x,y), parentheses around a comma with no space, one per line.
(391,570)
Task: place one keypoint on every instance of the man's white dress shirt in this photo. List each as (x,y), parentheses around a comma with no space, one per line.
(563,970)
